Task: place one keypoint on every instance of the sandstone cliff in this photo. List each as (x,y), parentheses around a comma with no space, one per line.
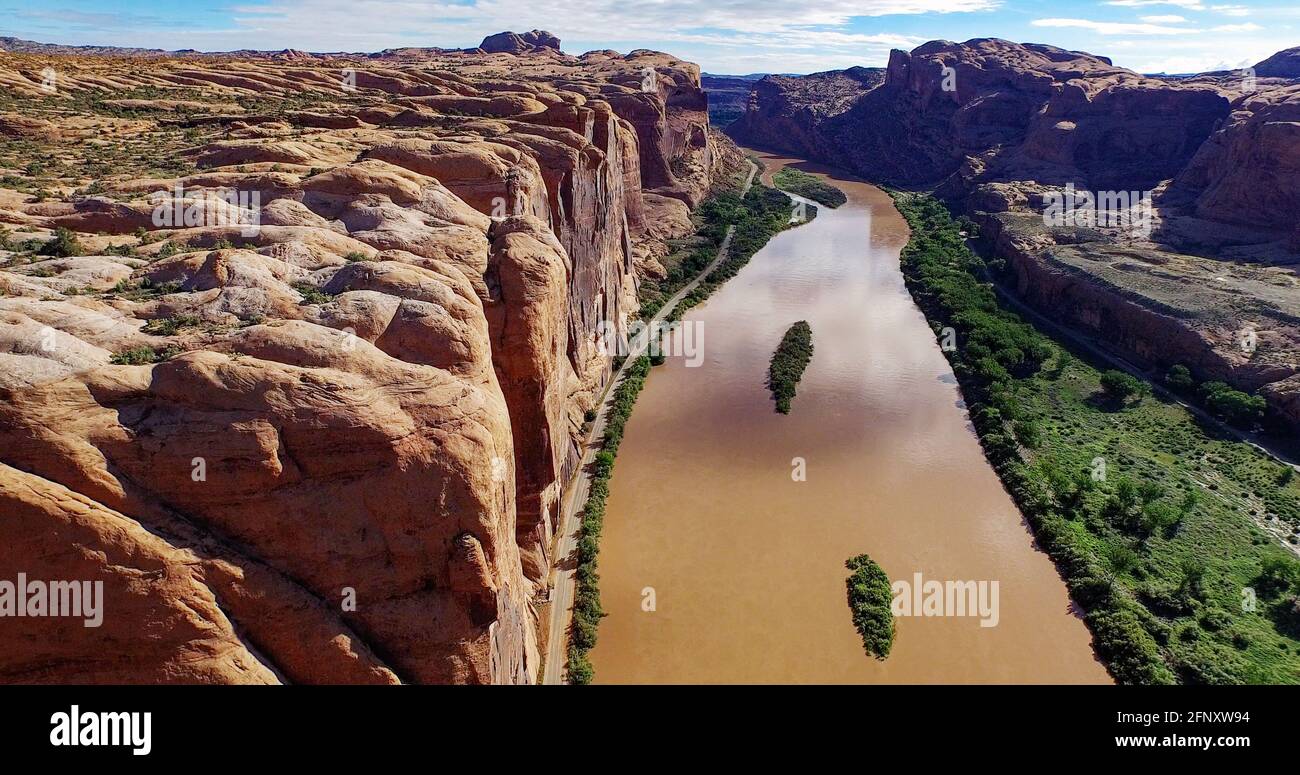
(312,424)
(995,126)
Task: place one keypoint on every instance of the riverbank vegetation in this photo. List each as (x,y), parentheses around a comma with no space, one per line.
(788,363)
(1172,536)
(587,612)
(757,216)
(809,186)
(869,602)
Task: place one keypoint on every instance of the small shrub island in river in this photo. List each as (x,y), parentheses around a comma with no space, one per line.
(788,362)
(809,187)
(869,601)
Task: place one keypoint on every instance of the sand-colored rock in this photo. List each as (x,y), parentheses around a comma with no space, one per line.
(372,317)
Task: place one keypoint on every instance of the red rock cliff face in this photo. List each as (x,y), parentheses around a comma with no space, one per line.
(329,448)
(1037,109)
(1248,172)
(786,113)
(1158,307)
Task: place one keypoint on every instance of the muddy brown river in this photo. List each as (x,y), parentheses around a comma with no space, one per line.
(744,565)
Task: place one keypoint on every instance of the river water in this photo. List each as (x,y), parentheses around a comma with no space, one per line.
(743,564)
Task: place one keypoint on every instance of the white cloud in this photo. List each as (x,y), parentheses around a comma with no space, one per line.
(1115,28)
(1191,5)
(450,23)
(721,35)
(1197,53)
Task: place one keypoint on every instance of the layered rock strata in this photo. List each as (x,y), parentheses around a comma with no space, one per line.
(297,348)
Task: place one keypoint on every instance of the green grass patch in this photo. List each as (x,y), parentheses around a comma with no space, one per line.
(143,290)
(170,326)
(311,294)
(63,244)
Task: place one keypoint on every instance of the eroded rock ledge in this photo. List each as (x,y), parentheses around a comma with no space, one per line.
(374,395)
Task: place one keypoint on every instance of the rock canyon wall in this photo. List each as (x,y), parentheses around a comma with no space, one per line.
(994,126)
(296,349)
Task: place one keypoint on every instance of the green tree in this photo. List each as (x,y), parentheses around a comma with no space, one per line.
(1124,504)
(1232,405)
(1149,491)
(63,244)
(1179,377)
(1278,575)
(1158,518)
(1119,386)
(1192,578)
(870,602)
(1119,559)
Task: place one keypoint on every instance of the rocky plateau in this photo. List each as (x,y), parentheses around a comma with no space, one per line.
(297,347)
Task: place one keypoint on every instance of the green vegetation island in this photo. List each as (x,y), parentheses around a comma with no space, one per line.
(869,601)
(788,363)
(1169,533)
(808,186)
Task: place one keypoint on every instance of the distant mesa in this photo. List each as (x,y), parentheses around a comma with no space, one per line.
(531,42)
(1283,64)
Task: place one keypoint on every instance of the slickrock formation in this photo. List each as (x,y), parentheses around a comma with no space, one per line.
(994,126)
(513,43)
(296,349)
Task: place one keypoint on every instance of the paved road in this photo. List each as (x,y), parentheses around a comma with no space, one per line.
(567,533)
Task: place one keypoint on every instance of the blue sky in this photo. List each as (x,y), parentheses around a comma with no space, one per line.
(724,36)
